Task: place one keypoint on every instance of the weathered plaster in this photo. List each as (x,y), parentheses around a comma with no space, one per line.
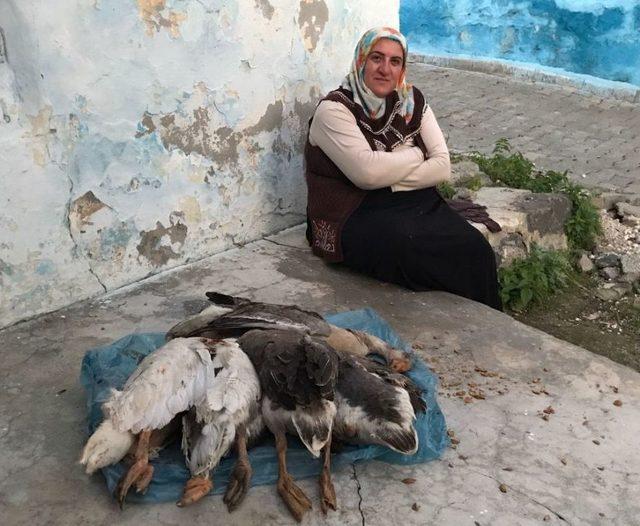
(266,8)
(142,135)
(158,244)
(156,15)
(312,19)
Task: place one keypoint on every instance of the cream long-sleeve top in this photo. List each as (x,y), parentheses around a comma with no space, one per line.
(335,131)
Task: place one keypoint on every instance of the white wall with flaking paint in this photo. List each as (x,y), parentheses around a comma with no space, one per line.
(137,135)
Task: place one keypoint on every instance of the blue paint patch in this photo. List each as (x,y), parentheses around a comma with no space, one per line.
(5,268)
(80,102)
(114,241)
(91,157)
(603,42)
(45,267)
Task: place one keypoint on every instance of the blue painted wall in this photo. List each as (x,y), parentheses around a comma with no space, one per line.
(595,37)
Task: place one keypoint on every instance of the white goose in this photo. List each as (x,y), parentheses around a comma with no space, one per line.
(228,413)
(214,377)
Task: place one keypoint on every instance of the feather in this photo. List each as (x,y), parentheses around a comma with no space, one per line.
(376,405)
(167,382)
(314,427)
(190,326)
(231,399)
(298,375)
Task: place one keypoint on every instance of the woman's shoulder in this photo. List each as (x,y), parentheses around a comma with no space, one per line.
(337,103)
(332,111)
(419,97)
(341,96)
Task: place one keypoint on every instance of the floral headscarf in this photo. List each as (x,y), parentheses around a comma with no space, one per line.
(373,105)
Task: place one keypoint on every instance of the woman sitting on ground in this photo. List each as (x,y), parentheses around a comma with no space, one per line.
(374,155)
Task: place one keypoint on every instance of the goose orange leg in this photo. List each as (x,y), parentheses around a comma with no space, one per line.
(295,499)
(327,491)
(140,473)
(241,476)
(195,488)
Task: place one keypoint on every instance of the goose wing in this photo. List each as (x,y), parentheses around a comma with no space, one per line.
(231,399)
(231,316)
(204,443)
(393,378)
(294,369)
(373,405)
(269,316)
(235,389)
(167,382)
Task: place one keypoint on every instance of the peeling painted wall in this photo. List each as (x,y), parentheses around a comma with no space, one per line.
(140,135)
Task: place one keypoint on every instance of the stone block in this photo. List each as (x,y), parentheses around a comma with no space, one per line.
(585,264)
(536,218)
(463,171)
(609,273)
(630,263)
(630,213)
(609,200)
(611,294)
(607,260)
(546,213)
(510,248)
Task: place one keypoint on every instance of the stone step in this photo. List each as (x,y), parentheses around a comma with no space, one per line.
(526,218)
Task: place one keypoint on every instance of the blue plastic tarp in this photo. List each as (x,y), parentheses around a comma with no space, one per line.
(109,367)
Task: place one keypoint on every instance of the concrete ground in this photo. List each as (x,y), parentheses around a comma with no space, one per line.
(540,438)
(557,127)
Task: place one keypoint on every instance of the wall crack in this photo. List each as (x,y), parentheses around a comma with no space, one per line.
(282,244)
(355,477)
(76,247)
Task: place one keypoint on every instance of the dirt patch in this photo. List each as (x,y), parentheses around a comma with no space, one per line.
(611,329)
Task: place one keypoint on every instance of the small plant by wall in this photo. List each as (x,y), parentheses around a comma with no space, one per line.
(535,278)
(542,273)
(508,168)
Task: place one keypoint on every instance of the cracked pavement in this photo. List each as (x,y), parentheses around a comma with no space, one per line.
(577,464)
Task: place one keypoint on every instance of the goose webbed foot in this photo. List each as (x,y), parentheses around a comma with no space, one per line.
(327,493)
(400,361)
(195,489)
(238,486)
(241,477)
(139,474)
(295,499)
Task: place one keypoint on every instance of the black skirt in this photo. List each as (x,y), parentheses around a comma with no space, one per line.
(416,240)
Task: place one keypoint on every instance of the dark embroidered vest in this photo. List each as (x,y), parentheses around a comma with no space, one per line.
(332,197)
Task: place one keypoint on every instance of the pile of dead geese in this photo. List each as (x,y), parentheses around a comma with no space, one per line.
(240,367)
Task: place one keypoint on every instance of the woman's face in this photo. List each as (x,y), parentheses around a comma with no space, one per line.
(383,67)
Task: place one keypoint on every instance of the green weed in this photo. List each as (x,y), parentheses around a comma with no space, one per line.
(446,190)
(472,183)
(534,278)
(512,169)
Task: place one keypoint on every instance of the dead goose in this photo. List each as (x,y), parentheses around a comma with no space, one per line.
(232,316)
(176,377)
(376,405)
(298,376)
(228,414)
